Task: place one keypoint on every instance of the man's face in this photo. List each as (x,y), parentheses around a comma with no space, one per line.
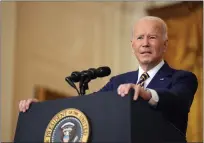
(148,42)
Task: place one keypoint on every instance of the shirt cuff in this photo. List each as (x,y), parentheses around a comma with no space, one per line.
(155,98)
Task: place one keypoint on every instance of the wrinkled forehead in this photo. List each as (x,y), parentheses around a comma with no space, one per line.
(147,26)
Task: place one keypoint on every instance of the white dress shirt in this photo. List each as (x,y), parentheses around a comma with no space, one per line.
(155,98)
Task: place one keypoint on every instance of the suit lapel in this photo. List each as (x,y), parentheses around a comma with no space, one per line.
(133,79)
(163,78)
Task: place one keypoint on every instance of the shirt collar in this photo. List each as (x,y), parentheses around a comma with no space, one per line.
(151,72)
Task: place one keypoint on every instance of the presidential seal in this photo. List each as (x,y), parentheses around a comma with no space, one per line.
(69,125)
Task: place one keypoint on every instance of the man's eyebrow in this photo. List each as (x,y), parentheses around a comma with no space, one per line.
(150,34)
(139,35)
(153,35)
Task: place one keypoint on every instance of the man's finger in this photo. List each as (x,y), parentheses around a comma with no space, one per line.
(20,105)
(121,90)
(23,105)
(28,102)
(118,90)
(136,92)
(127,88)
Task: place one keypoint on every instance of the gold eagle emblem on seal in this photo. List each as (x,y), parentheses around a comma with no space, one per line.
(69,125)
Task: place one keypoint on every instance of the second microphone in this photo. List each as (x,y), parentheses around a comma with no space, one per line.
(91,73)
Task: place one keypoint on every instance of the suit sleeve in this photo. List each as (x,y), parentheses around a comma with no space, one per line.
(180,95)
(109,86)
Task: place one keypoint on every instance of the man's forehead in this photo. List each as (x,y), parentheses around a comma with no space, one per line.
(143,26)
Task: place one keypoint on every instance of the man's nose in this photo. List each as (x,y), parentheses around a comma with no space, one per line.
(145,42)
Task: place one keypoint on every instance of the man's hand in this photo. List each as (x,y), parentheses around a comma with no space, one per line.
(123,89)
(25,104)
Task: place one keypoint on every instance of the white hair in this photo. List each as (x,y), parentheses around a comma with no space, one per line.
(154,18)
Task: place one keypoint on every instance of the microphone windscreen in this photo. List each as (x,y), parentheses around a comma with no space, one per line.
(103,71)
(75,76)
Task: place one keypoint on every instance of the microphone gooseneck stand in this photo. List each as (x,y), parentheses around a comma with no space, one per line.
(71,83)
(84,77)
(83,84)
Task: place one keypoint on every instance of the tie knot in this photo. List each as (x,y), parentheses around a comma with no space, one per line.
(143,77)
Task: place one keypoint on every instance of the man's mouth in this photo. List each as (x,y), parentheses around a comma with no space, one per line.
(146,52)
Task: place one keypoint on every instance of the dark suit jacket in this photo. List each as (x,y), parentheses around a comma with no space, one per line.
(175,88)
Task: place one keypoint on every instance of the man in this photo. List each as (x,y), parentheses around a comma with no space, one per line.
(166,89)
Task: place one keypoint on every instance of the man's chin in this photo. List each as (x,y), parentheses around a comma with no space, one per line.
(145,62)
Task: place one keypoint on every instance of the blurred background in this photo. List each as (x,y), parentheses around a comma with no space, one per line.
(43,42)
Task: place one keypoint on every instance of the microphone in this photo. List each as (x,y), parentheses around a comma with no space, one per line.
(75,76)
(91,73)
(103,71)
(72,84)
(85,77)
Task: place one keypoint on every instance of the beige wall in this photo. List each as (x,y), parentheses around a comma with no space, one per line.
(8,43)
(55,38)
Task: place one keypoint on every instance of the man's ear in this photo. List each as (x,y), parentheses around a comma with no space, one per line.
(133,51)
(165,45)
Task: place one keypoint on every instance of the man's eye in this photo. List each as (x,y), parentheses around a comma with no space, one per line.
(139,37)
(153,37)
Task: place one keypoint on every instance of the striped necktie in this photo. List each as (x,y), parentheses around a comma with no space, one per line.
(143,77)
